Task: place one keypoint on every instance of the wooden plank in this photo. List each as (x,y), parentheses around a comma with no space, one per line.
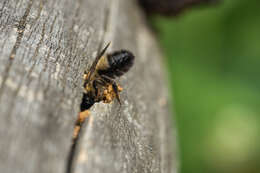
(136,137)
(45,46)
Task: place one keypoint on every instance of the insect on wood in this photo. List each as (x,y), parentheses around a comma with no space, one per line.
(100,82)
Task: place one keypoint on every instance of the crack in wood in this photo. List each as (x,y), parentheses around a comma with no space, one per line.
(35,54)
(70,168)
(20,30)
(75,140)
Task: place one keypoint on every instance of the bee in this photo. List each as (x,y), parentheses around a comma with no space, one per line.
(99,84)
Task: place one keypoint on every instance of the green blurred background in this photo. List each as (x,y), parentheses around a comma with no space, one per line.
(213,57)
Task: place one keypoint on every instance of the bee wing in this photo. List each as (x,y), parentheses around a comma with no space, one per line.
(93,66)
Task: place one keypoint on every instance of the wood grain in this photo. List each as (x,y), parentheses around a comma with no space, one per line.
(45,46)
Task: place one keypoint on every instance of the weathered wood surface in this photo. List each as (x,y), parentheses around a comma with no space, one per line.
(44,48)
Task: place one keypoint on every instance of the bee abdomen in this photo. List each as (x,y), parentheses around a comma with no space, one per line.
(119,63)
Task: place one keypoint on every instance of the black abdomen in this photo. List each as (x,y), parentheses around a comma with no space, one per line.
(119,63)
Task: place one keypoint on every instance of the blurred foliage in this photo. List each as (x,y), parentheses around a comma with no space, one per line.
(213,57)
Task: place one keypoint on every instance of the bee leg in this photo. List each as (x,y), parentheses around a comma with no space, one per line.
(101,82)
(95,87)
(114,86)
